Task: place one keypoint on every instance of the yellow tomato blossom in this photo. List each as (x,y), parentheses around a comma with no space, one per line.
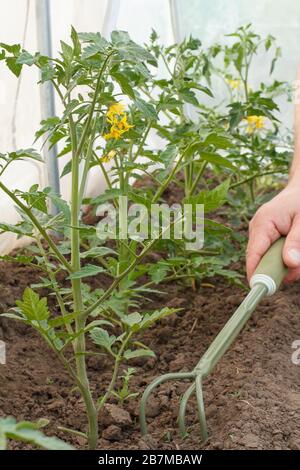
(115,109)
(234,84)
(109,156)
(117,118)
(254,122)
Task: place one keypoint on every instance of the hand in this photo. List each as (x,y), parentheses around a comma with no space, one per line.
(280,216)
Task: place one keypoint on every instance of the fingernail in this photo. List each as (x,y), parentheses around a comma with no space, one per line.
(294,255)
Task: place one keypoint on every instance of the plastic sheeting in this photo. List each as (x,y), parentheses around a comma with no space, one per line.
(207,19)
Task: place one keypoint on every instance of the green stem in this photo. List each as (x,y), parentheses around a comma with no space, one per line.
(197,179)
(119,278)
(118,361)
(38,226)
(256,175)
(80,320)
(54,285)
(93,104)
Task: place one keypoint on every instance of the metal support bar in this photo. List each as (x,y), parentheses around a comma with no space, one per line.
(178,37)
(174,11)
(47,96)
(110,17)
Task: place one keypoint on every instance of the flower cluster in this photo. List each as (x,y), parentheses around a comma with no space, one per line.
(254,122)
(233,84)
(117,119)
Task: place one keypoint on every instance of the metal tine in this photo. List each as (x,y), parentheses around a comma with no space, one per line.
(150,388)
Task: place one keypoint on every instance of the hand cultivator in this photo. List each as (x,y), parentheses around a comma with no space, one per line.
(265,282)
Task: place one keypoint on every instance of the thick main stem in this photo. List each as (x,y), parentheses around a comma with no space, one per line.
(80,321)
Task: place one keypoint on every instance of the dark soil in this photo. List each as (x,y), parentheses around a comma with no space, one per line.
(252,398)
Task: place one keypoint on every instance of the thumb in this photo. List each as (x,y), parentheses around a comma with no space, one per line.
(291,250)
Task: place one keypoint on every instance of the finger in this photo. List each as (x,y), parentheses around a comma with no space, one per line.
(291,249)
(292,275)
(261,236)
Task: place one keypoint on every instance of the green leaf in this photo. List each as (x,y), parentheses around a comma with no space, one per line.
(27,59)
(168,155)
(102,338)
(76,42)
(97,251)
(219,141)
(13,66)
(124,84)
(188,96)
(129,354)
(96,44)
(47,73)
(120,37)
(12,48)
(67,52)
(147,110)
(32,306)
(212,199)
(211,226)
(22,259)
(24,154)
(108,195)
(132,320)
(86,271)
(150,318)
(36,199)
(159,271)
(216,159)
(67,169)
(28,432)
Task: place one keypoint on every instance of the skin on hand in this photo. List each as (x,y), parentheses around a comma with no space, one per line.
(280,216)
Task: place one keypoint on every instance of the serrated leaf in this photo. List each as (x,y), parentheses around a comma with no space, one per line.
(147,110)
(22,154)
(67,169)
(150,318)
(13,66)
(216,159)
(67,52)
(27,58)
(212,199)
(32,306)
(124,84)
(87,271)
(103,339)
(97,251)
(28,432)
(133,319)
(218,141)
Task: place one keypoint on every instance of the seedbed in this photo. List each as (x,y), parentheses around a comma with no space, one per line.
(252,398)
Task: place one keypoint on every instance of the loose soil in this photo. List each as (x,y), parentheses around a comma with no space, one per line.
(252,398)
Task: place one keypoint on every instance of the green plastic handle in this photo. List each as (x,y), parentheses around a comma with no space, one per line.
(272,264)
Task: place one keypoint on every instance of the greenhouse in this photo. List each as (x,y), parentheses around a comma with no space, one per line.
(149,230)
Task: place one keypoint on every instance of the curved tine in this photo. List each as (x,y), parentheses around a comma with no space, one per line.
(182,409)
(151,387)
(201,410)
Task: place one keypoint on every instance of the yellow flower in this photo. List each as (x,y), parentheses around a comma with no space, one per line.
(123,124)
(116,116)
(114,133)
(115,109)
(254,122)
(109,156)
(234,84)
